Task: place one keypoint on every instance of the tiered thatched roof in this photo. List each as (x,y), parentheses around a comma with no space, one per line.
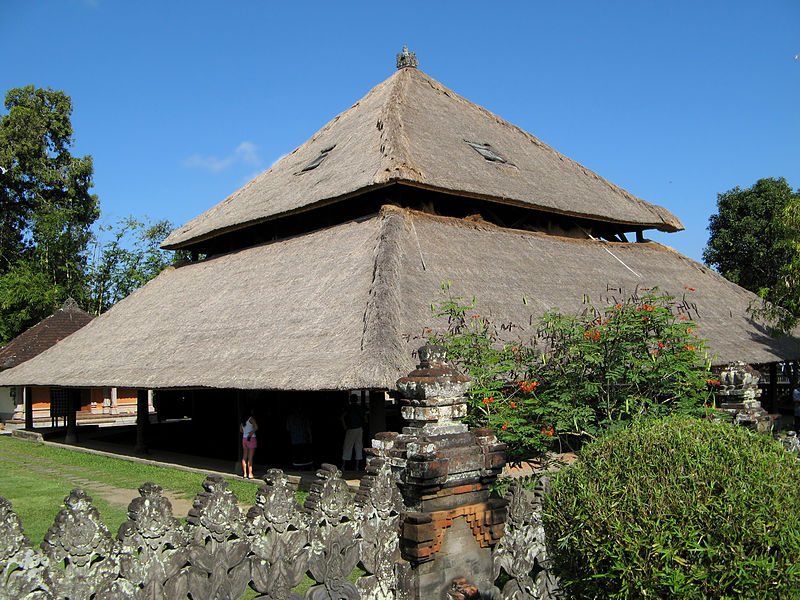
(412,130)
(343,308)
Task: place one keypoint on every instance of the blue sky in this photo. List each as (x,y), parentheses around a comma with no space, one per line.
(181,103)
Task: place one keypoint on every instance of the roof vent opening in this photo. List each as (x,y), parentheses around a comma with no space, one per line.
(318,160)
(487,152)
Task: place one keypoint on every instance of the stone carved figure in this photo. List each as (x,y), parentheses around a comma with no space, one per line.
(81,542)
(279,538)
(220,551)
(21,566)
(379,504)
(218,546)
(154,548)
(522,549)
(334,543)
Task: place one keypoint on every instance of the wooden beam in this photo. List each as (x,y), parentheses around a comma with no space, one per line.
(142,421)
(773,387)
(73,406)
(27,399)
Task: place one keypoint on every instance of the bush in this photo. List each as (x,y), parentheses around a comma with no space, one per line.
(579,375)
(678,508)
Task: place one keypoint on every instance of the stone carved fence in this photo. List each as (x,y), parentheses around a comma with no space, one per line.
(220,551)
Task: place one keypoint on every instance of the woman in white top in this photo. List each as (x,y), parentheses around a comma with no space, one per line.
(248,428)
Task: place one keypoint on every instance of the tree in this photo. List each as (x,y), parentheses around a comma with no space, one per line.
(130,259)
(781,306)
(46,209)
(750,240)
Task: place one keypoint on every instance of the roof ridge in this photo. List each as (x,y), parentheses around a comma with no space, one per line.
(381,343)
(396,156)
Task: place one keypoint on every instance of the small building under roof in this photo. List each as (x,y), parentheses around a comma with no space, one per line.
(50,402)
(319,274)
(30,343)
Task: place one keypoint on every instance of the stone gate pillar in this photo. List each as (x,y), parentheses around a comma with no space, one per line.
(444,472)
(739,395)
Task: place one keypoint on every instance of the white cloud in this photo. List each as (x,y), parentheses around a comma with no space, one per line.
(245,153)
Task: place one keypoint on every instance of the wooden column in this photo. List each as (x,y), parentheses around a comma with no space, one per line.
(240,409)
(142,421)
(27,399)
(773,388)
(74,405)
(377,412)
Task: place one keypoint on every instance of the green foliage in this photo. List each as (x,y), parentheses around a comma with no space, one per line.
(781,306)
(46,210)
(750,241)
(580,374)
(678,508)
(46,215)
(131,258)
(755,242)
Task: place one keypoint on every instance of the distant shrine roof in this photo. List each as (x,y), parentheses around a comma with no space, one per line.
(412,130)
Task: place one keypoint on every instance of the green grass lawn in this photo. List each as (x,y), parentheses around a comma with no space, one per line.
(36,478)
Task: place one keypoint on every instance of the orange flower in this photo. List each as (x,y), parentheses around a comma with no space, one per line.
(686,287)
(513,405)
(505,425)
(617,306)
(688,347)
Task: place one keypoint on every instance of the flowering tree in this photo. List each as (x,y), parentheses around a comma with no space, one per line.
(580,374)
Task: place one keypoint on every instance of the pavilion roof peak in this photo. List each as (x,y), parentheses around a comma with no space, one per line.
(412,130)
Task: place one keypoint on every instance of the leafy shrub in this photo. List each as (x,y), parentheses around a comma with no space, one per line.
(678,508)
(579,375)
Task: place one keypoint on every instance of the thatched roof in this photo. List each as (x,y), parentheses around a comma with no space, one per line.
(410,129)
(46,333)
(343,308)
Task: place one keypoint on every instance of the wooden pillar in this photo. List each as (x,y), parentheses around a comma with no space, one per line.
(74,405)
(240,410)
(142,421)
(773,388)
(27,399)
(377,412)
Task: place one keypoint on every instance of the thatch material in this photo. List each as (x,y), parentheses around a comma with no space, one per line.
(410,129)
(46,333)
(344,307)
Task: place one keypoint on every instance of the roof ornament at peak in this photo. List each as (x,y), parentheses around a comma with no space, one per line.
(70,306)
(406,59)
